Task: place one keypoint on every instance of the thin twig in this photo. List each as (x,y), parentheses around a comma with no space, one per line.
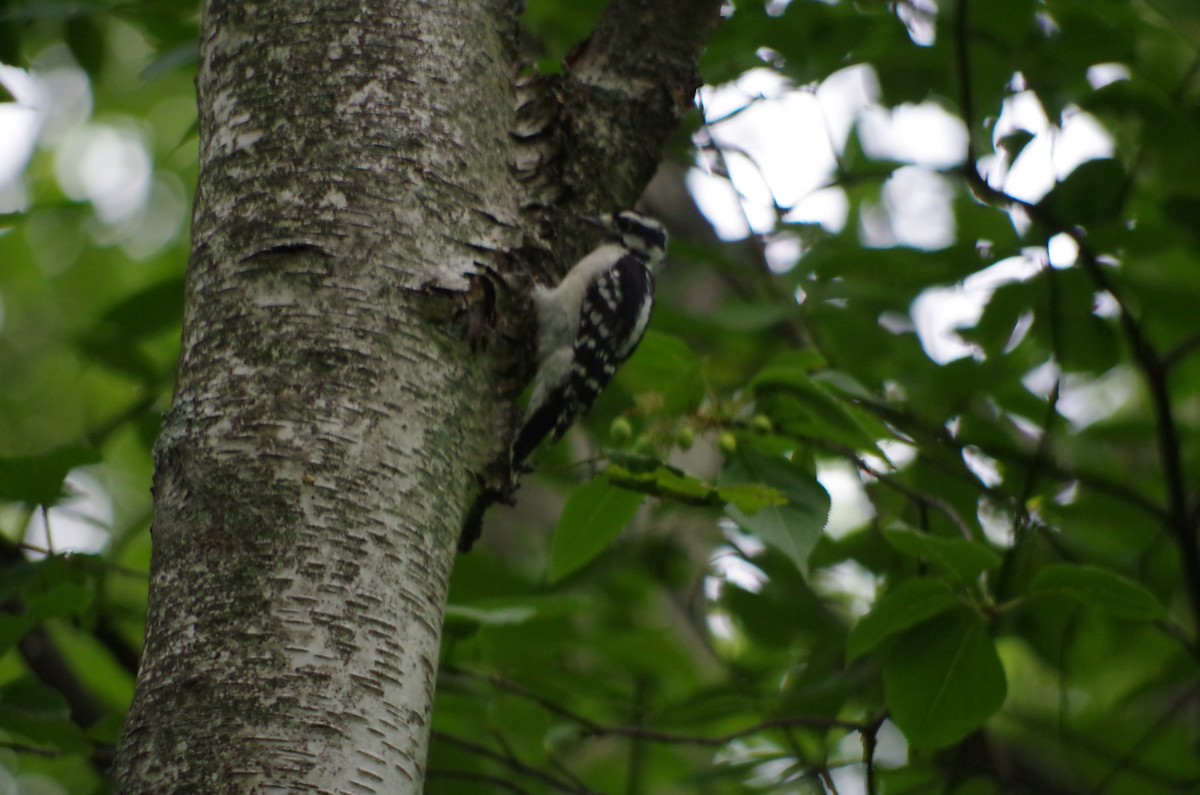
(801,721)
(870,742)
(462,775)
(512,763)
(941,506)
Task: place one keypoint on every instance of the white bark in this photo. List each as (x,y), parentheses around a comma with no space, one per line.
(330,423)
(313,473)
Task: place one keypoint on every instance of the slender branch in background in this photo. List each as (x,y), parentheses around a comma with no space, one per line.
(115,568)
(870,743)
(962,61)
(31,750)
(590,728)
(481,778)
(637,748)
(1181,351)
(516,689)
(1152,366)
(801,721)
(150,395)
(126,655)
(915,427)
(797,333)
(1121,763)
(46,524)
(513,764)
(1100,750)
(1042,454)
(927,500)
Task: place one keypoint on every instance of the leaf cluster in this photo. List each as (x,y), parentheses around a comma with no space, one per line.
(1011,604)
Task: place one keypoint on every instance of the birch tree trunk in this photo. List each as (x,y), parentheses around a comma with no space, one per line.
(356,162)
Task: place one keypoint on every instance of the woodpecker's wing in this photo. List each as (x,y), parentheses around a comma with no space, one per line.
(614,316)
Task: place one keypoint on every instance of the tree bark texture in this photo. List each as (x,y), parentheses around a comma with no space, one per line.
(358,163)
(311,474)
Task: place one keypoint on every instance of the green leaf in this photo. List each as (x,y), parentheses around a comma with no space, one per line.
(1092,194)
(523,725)
(38,480)
(942,679)
(909,604)
(804,407)
(39,715)
(595,514)
(751,497)
(664,365)
(958,556)
(85,38)
(1014,143)
(1098,588)
(68,599)
(114,338)
(792,528)
(752,316)
(12,629)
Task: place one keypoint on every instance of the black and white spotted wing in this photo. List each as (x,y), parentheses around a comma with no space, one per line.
(617,306)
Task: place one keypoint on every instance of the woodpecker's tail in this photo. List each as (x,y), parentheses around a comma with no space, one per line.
(538,426)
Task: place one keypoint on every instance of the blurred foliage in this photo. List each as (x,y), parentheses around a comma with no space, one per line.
(1013,608)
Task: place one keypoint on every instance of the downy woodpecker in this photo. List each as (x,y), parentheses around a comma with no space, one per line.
(589,324)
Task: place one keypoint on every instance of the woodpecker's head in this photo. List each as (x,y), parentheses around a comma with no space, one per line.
(641,234)
(638,233)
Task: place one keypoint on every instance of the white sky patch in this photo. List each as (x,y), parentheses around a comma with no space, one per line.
(19,123)
(828,207)
(899,455)
(925,134)
(918,211)
(730,567)
(719,203)
(47,105)
(108,166)
(997,523)
(778,144)
(984,467)
(1084,400)
(782,253)
(938,312)
(852,582)
(845,95)
(1054,151)
(1103,74)
(1063,251)
(780,147)
(849,507)
(920,18)
(79,523)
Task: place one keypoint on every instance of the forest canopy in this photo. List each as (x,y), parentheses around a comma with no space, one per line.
(901,494)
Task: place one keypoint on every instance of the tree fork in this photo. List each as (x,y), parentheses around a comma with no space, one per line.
(318,461)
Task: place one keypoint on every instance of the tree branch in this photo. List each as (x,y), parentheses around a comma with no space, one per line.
(624,93)
(1154,367)
(510,762)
